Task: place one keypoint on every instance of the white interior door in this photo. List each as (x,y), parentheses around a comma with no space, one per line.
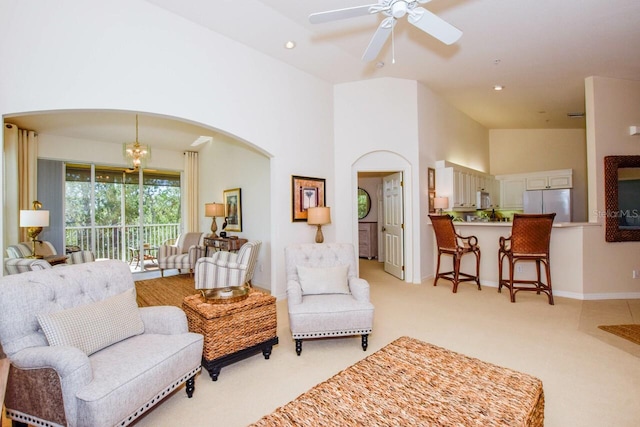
(393,226)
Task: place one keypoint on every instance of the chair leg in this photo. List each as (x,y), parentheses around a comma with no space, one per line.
(456,272)
(512,267)
(548,268)
(298,346)
(161,272)
(365,341)
(435,281)
(478,270)
(191,386)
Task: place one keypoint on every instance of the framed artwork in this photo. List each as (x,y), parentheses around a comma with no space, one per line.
(432,197)
(232,200)
(431,179)
(306,193)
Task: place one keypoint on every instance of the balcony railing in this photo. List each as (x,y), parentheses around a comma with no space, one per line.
(113,242)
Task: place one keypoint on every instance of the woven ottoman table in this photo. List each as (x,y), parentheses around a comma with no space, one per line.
(232,331)
(412,383)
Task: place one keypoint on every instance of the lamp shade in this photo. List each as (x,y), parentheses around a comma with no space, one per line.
(33,218)
(319,215)
(213,209)
(441,202)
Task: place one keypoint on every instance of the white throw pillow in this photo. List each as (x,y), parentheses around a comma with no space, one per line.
(92,327)
(325,280)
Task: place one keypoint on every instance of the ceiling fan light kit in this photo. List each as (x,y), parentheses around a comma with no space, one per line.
(417,16)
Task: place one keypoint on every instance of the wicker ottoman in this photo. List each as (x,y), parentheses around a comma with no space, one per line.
(412,383)
(233,331)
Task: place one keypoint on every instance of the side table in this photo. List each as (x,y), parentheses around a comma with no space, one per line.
(223,244)
(233,331)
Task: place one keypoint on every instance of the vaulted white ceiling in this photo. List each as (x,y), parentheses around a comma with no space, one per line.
(540,50)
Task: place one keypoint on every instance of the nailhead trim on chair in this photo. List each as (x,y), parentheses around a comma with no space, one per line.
(332,334)
(29,419)
(158,397)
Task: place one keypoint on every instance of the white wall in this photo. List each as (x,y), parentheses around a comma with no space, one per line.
(612,105)
(533,150)
(131,55)
(226,164)
(400,125)
(444,134)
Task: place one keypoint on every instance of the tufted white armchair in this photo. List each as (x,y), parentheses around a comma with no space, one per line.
(325,297)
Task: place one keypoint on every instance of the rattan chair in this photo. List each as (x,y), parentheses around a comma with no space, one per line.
(529,241)
(449,242)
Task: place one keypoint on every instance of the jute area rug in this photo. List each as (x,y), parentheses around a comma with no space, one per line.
(169,290)
(628,332)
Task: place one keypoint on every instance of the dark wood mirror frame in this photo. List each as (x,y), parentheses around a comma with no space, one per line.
(613,233)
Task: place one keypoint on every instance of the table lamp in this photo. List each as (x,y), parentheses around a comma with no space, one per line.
(319,216)
(213,210)
(34,220)
(441,203)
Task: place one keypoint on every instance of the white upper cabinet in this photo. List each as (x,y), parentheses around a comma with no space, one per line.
(511,192)
(550,180)
(513,186)
(461,184)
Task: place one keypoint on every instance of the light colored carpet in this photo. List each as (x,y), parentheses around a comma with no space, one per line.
(590,377)
(587,382)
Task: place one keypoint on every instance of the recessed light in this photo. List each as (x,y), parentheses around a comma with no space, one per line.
(290,44)
(498,87)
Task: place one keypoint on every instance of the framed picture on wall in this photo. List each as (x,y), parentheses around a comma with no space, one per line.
(306,193)
(432,198)
(232,200)
(431,179)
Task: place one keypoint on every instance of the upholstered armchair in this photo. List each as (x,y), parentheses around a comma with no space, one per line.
(46,249)
(81,351)
(325,297)
(22,265)
(183,254)
(224,269)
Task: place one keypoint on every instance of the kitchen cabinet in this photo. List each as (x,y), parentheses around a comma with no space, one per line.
(511,190)
(461,184)
(513,186)
(550,180)
(368,239)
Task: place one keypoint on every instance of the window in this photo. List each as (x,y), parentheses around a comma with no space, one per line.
(113,211)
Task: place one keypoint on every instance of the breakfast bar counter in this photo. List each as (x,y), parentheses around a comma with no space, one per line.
(566,252)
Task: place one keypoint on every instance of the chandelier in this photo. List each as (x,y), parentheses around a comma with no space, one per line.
(136,154)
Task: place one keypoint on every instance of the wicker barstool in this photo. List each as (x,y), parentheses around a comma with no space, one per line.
(529,241)
(451,243)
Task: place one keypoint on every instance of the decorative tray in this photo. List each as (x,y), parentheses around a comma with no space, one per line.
(226,295)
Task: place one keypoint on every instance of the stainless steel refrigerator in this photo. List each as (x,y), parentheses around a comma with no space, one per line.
(549,201)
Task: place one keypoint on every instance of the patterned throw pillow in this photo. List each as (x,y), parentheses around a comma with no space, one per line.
(324,280)
(92,327)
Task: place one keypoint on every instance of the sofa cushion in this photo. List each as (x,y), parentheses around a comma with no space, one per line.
(94,326)
(325,280)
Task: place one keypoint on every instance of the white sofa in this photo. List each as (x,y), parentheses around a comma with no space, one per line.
(83,354)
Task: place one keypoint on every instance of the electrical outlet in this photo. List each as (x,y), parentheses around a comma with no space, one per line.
(635,274)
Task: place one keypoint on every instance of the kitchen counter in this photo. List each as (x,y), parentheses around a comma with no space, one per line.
(566,251)
(508,224)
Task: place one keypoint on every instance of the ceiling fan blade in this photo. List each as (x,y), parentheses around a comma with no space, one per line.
(379,38)
(434,25)
(332,15)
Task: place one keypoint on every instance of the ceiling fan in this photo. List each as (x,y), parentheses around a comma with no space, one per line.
(394,10)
